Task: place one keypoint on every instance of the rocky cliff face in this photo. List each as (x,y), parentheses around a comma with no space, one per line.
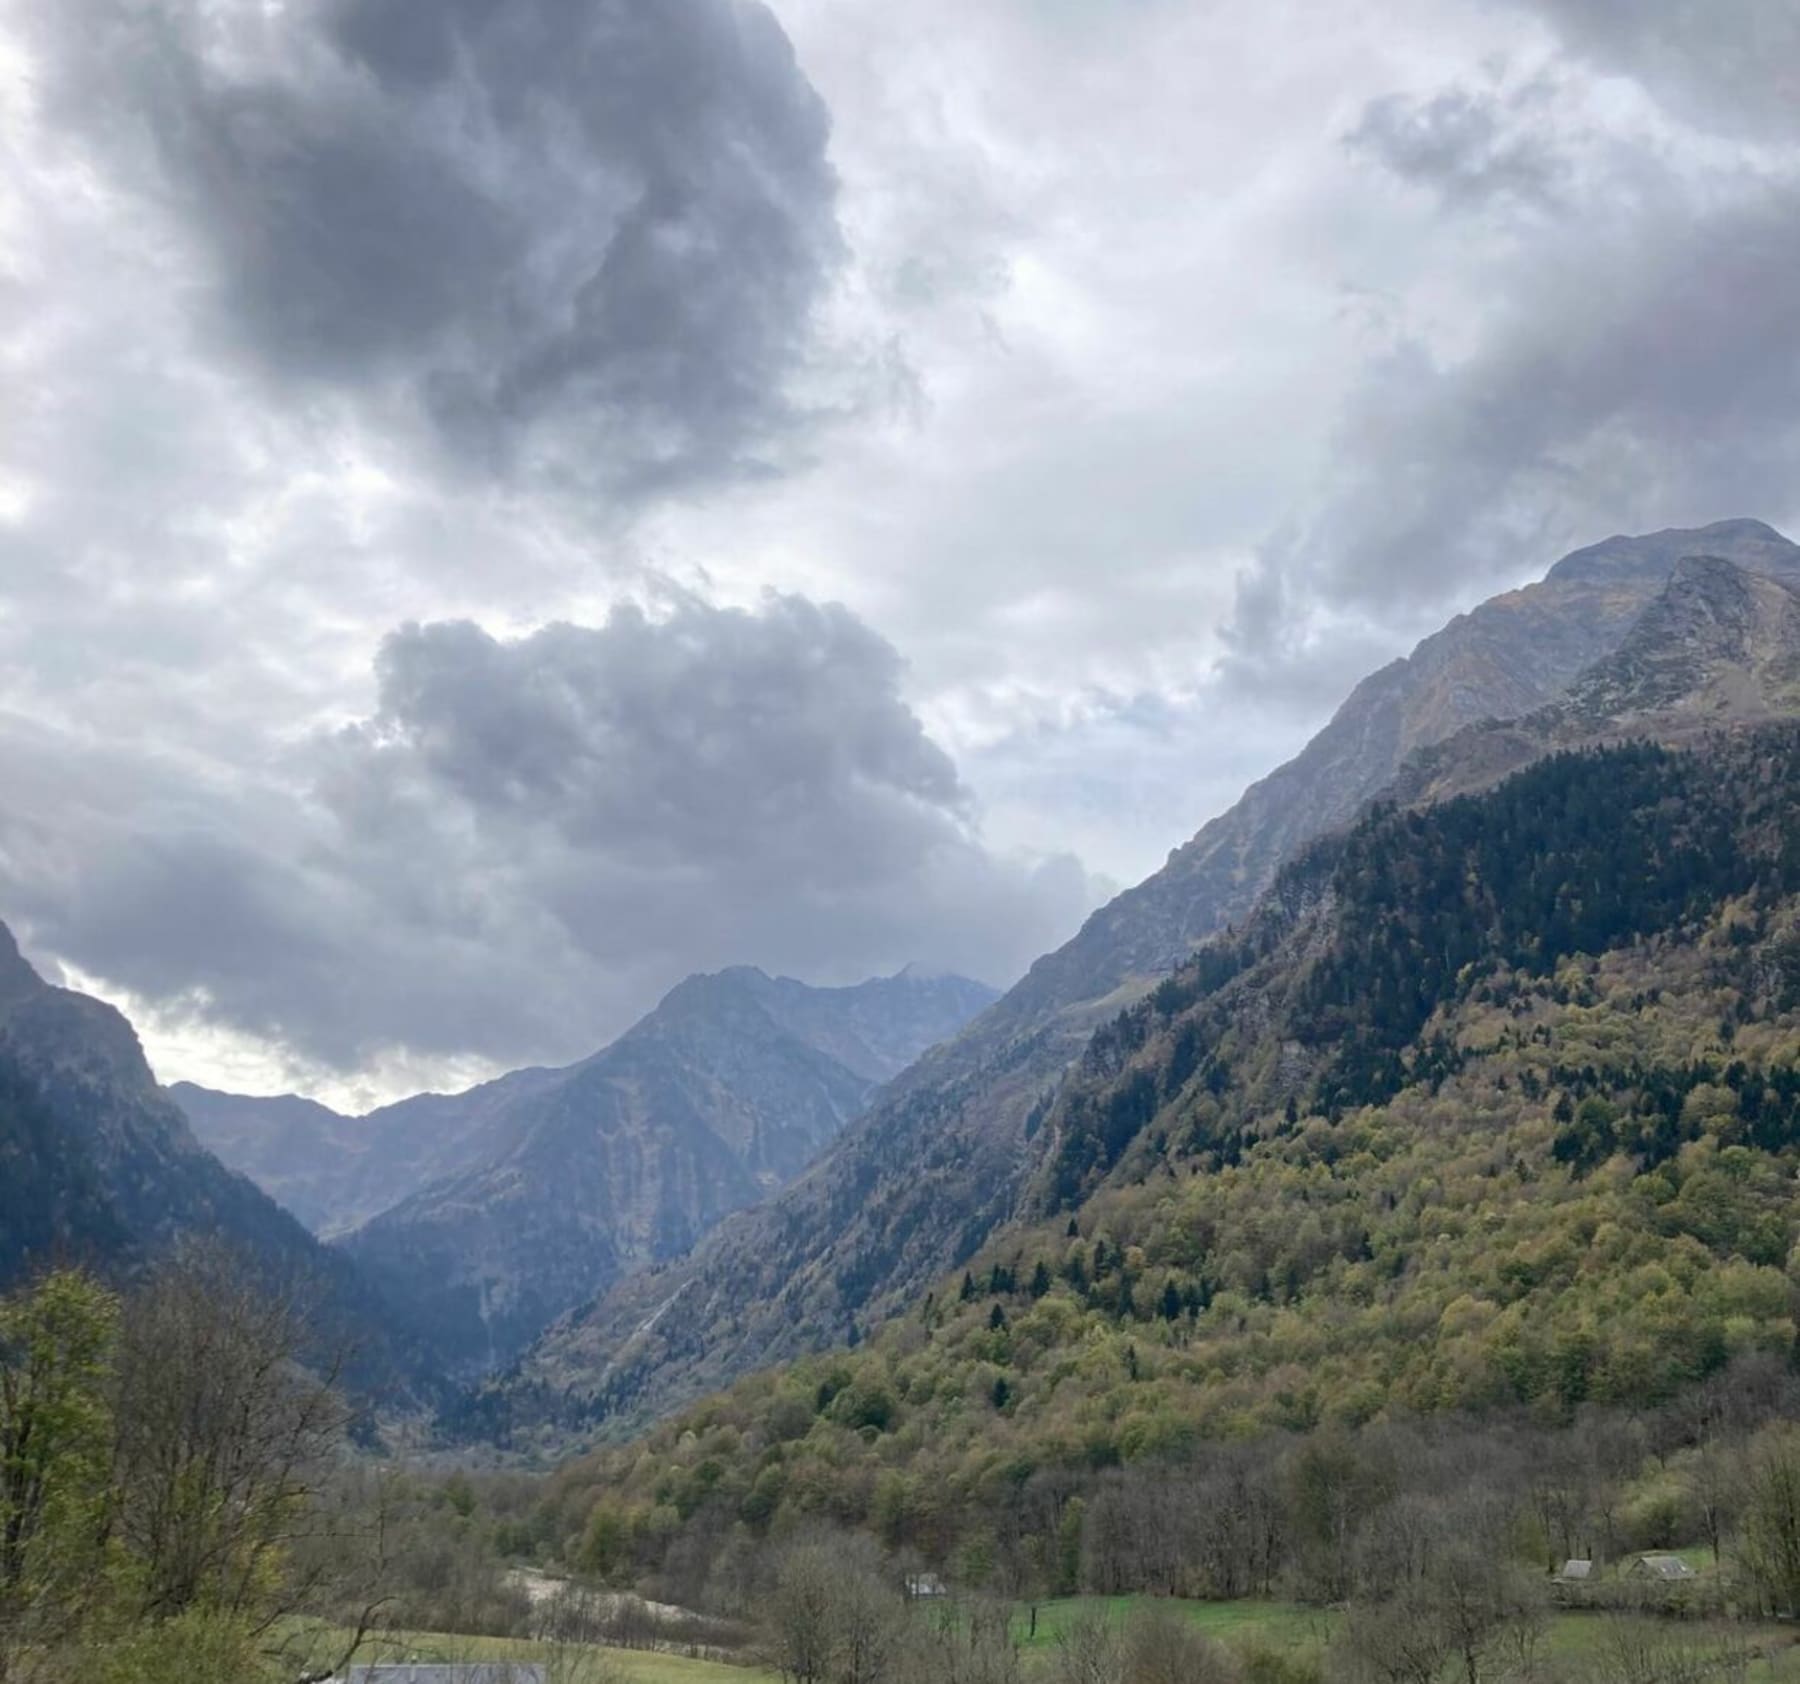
(947,1152)
(1508,657)
(726,1091)
(1718,648)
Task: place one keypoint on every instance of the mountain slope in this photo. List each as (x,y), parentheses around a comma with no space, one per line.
(336,1172)
(727,1090)
(946,1153)
(1490,1106)
(102,1169)
(1718,646)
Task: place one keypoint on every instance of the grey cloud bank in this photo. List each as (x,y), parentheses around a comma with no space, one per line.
(530,838)
(1631,356)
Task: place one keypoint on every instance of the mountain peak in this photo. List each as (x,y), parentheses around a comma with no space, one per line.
(17,978)
(1751,543)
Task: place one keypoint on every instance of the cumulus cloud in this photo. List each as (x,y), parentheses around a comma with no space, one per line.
(583,240)
(528,838)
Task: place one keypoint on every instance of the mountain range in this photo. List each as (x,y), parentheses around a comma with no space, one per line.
(334,1171)
(483,1216)
(953,1146)
(760,1169)
(1486,1121)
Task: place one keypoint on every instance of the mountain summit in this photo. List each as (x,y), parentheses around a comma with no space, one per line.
(1719,646)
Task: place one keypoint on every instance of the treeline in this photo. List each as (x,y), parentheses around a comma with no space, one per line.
(1435,1543)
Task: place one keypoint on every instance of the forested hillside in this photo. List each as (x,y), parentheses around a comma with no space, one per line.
(1491,1107)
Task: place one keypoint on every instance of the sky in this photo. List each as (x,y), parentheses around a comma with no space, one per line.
(505,503)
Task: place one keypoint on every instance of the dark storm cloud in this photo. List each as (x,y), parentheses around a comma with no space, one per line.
(529,839)
(588,238)
(724,741)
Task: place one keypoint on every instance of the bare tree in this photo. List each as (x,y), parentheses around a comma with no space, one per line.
(973,1645)
(1769,1543)
(224,1440)
(802,1614)
(1454,1599)
(1089,1650)
(869,1621)
(1398,1641)
(1712,1479)
(1163,1647)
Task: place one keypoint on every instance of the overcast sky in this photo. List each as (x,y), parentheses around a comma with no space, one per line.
(504,503)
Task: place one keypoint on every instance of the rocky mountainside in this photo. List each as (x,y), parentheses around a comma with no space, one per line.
(100,1167)
(336,1172)
(947,1152)
(1719,646)
(727,1090)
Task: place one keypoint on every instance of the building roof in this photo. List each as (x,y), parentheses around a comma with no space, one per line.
(1665,1566)
(453,1672)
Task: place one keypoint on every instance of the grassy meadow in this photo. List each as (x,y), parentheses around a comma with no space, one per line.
(1277,1631)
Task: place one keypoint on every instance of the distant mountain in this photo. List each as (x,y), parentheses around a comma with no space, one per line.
(726,1091)
(336,1172)
(947,1153)
(99,1167)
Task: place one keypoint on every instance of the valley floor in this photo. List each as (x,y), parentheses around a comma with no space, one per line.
(576,1663)
(1747,1653)
(1278,1631)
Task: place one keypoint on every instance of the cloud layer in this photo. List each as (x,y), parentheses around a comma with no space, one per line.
(529,839)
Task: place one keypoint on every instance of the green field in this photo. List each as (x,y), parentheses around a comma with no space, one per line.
(1277,1624)
(1773,1652)
(635,1665)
